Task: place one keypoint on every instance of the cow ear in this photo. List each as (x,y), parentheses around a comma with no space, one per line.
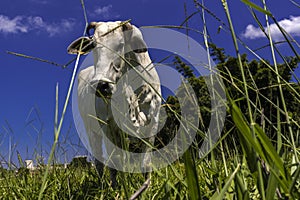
(82,45)
(134,37)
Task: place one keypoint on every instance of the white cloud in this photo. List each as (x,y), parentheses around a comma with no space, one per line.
(14,25)
(22,24)
(291,25)
(105,12)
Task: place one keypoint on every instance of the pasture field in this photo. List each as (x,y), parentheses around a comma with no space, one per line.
(173,182)
(256,157)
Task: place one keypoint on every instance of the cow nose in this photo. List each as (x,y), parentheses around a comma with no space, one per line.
(103,88)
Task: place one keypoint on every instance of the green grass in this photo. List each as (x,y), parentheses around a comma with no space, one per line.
(251,166)
(83,183)
(172,182)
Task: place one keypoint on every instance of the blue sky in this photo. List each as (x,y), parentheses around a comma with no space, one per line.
(44,29)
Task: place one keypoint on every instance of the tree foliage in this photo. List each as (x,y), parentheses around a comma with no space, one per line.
(263,91)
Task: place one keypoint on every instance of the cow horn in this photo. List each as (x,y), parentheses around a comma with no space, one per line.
(92,25)
(127,26)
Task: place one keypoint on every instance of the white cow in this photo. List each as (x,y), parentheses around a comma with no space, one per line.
(118,48)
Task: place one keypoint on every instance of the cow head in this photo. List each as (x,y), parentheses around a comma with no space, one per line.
(109,43)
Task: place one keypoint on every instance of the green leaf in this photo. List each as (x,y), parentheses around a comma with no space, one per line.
(220,196)
(271,153)
(192,176)
(245,133)
(263,146)
(294,182)
(256,7)
(271,189)
(241,190)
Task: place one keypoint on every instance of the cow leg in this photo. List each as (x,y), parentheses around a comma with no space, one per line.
(100,169)
(113,173)
(113,177)
(113,137)
(147,159)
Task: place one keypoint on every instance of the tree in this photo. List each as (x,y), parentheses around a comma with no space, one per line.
(262,86)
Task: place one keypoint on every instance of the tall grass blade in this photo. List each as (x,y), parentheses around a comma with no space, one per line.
(221,195)
(271,188)
(256,7)
(296,180)
(270,151)
(56,110)
(191,176)
(58,129)
(245,135)
(264,147)
(284,33)
(20,160)
(35,58)
(295,3)
(240,188)
(240,63)
(282,98)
